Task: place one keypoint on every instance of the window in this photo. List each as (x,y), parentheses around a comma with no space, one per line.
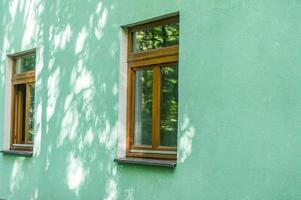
(152,100)
(23,95)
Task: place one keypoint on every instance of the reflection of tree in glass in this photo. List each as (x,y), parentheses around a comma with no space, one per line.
(26,63)
(147,89)
(31,114)
(169,106)
(156,37)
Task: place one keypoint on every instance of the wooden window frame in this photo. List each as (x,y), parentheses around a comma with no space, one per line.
(27,79)
(154,58)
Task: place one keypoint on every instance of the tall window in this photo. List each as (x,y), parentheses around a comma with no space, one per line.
(23,93)
(152,110)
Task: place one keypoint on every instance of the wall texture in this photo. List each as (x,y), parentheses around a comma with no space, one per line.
(240,100)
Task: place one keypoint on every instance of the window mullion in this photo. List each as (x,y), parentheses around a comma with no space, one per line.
(156,107)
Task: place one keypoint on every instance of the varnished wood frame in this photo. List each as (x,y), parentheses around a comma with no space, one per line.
(141,60)
(28,79)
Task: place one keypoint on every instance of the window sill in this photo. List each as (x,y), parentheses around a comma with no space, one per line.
(17,153)
(146,161)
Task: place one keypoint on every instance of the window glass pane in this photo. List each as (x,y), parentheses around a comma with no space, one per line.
(26,63)
(31,114)
(143,107)
(169,105)
(156,37)
(20,111)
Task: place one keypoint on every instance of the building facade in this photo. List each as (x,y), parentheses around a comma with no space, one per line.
(232,118)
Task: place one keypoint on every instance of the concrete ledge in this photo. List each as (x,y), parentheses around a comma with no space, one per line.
(17,153)
(146,161)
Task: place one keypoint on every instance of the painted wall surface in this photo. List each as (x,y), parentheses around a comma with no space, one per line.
(240,100)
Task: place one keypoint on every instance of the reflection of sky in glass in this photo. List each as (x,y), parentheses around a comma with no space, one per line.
(143,107)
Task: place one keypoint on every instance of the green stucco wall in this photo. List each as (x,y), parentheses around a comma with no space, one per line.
(240,100)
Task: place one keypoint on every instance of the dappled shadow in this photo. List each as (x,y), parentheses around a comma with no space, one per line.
(76,104)
(76,126)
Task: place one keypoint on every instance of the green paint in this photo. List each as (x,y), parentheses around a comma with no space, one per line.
(239,98)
